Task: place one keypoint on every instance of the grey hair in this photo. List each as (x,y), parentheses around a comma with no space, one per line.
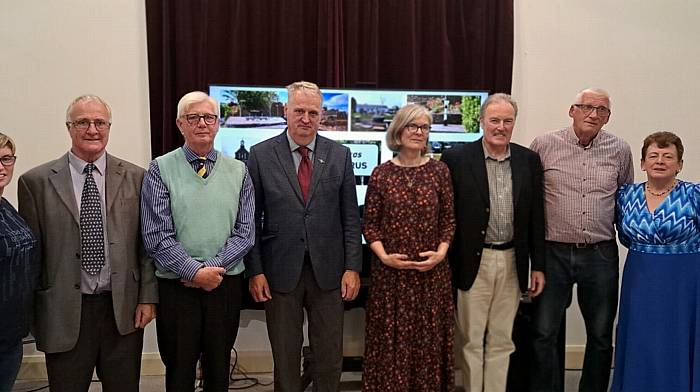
(498,97)
(6,141)
(192,98)
(302,85)
(594,91)
(88,98)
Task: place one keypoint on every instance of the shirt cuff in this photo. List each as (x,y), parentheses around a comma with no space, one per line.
(189,269)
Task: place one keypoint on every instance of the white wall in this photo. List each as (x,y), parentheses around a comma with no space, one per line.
(643,52)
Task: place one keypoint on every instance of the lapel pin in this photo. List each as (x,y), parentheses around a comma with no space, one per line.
(321,160)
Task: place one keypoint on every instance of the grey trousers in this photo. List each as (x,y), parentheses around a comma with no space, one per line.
(285,319)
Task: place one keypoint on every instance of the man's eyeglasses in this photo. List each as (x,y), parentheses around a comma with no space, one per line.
(414,128)
(601,111)
(8,160)
(83,125)
(193,119)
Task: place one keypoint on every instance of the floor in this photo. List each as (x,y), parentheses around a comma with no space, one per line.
(256,383)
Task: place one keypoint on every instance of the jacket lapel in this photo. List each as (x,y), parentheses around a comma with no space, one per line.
(320,159)
(63,184)
(284,155)
(114,175)
(477,164)
(517,170)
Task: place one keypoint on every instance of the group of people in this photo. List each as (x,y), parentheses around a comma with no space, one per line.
(101,247)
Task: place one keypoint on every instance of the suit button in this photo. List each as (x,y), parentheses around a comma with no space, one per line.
(478,253)
(301,239)
(77,255)
(483,232)
(488,209)
(76,286)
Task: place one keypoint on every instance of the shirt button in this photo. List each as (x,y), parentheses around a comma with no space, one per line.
(76,286)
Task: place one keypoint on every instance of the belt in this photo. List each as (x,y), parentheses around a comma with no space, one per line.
(503,246)
(582,245)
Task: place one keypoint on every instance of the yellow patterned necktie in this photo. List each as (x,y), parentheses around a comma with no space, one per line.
(202,169)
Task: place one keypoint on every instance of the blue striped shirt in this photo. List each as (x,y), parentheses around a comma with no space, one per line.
(159,230)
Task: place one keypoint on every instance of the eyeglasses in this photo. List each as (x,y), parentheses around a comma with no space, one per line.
(602,111)
(83,125)
(414,128)
(8,160)
(193,119)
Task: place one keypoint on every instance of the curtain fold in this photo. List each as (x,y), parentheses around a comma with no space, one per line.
(391,44)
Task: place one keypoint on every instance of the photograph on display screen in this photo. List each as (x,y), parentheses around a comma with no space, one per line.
(451,113)
(250,108)
(374,110)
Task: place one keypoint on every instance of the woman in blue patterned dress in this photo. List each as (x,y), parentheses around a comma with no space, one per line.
(658,335)
(17,274)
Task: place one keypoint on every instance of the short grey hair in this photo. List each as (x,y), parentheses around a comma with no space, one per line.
(495,98)
(88,98)
(302,85)
(402,118)
(594,91)
(195,97)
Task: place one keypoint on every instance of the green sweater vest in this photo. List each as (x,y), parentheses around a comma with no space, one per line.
(204,210)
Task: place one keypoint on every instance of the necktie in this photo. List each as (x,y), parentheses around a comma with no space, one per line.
(201,169)
(92,242)
(304,172)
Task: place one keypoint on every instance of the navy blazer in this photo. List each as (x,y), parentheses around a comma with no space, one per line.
(471,188)
(328,224)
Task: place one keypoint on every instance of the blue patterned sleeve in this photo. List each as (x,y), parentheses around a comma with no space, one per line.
(695,197)
(619,214)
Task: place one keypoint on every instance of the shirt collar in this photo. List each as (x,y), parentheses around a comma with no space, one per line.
(293,146)
(572,138)
(193,156)
(489,156)
(79,164)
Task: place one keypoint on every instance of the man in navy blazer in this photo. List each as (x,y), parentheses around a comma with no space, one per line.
(500,231)
(307,252)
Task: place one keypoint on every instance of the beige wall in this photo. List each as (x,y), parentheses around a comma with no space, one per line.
(643,52)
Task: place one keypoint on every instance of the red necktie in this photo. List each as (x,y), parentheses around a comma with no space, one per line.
(304,172)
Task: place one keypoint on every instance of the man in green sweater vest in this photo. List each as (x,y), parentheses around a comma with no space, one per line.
(197,211)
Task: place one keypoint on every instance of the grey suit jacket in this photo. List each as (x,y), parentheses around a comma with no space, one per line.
(47,203)
(328,225)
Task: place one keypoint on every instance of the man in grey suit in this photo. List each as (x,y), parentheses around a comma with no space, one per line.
(307,252)
(97,288)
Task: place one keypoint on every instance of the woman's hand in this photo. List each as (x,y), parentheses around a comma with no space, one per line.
(398,261)
(433,259)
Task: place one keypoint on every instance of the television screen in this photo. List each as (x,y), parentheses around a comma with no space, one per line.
(356,118)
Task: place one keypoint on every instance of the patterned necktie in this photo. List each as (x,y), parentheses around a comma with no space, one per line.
(304,172)
(92,242)
(202,169)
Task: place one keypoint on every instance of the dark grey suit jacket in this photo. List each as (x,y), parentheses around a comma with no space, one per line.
(328,225)
(471,187)
(47,203)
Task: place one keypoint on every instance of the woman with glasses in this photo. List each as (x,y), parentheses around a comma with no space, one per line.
(17,274)
(658,331)
(409,223)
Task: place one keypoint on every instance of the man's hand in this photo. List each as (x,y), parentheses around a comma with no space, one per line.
(350,285)
(434,258)
(259,288)
(207,278)
(536,283)
(145,313)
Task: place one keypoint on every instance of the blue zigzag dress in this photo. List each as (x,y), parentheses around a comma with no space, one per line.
(658,330)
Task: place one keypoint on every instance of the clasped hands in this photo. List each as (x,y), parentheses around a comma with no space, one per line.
(206,278)
(401,261)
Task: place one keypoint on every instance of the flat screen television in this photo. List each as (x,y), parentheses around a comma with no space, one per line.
(357,118)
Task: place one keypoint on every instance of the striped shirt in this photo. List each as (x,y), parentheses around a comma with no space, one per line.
(498,172)
(580,183)
(159,230)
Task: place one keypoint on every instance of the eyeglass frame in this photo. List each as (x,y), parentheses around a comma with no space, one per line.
(414,128)
(588,109)
(204,117)
(12,158)
(78,125)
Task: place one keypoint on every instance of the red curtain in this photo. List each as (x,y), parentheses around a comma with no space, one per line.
(399,44)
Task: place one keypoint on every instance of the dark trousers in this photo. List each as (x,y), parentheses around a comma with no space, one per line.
(194,323)
(10,362)
(117,357)
(595,271)
(285,319)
